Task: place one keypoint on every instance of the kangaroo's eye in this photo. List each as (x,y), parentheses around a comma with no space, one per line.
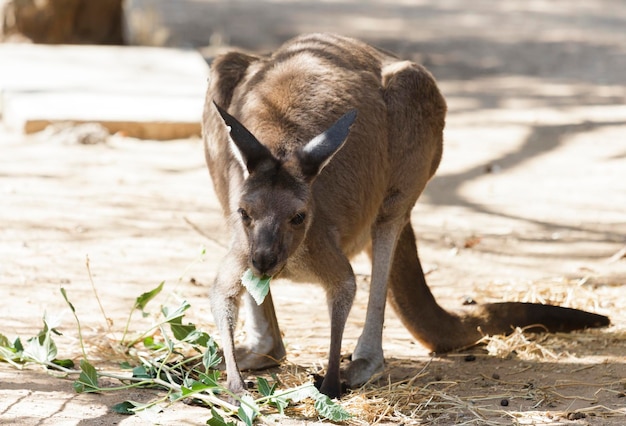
(298,219)
(244,216)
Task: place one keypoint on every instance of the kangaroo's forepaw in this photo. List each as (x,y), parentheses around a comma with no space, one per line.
(330,388)
(361,370)
(237,386)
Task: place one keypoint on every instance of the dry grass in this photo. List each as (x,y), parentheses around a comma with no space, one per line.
(418,401)
(424,398)
(575,293)
(439,402)
(524,346)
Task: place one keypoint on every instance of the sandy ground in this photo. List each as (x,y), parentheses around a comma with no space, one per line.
(529,204)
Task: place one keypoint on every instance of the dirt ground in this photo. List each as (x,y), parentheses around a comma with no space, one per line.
(529,204)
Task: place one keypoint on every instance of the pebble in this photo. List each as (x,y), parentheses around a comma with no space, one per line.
(576,416)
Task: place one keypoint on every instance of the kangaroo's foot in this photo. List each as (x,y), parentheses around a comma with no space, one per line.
(237,386)
(254,359)
(360,370)
(257,358)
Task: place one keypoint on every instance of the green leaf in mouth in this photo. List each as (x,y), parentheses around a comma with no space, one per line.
(257,287)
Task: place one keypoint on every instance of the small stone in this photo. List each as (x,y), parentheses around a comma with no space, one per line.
(469,300)
(576,416)
(495,376)
(504,402)
(470,358)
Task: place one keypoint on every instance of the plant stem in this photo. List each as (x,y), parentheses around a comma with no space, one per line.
(95,292)
(80,332)
(126,329)
(142,335)
(61,368)
(186,361)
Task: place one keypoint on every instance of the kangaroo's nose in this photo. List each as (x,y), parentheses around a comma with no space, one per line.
(264,260)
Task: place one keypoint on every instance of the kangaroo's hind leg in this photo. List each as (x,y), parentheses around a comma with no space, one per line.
(415,116)
(264,346)
(368,357)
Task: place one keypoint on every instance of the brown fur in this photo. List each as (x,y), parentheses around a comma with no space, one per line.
(361,199)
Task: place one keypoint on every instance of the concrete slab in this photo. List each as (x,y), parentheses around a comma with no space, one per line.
(145,92)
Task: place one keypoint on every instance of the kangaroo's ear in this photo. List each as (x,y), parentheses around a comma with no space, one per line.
(318,152)
(252,151)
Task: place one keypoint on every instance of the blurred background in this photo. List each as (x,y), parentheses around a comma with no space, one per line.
(536,89)
(574,41)
(536,92)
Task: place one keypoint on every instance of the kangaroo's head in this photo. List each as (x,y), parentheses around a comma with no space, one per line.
(276,206)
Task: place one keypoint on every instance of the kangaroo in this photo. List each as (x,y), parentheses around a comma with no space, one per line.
(319,152)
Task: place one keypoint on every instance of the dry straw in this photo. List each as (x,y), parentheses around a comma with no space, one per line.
(423,398)
(416,400)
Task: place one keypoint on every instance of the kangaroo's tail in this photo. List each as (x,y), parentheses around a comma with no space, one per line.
(442,331)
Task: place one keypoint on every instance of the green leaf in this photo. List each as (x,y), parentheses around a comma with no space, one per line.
(243,416)
(125,365)
(198,386)
(88,378)
(126,407)
(324,405)
(176,313)
(141,372)
(148,412)
(18,345)
(142,301)
(188,332)
(175,396)
(198,337)
(257,287)
(9,352)
(210,379)
(149,343)
(67,300)
(217,420)
(181,331)
(41,348)
(248,410)
(211,358)
(51,322)
(4,341)
(280,404)
(264,387)
(13,353)
(169,344)
(330,410)
(65,363)
(299,393)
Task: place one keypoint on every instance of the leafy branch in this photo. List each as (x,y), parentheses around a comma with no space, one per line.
(171,355)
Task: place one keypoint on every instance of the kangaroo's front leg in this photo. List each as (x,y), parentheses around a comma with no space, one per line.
(340,286)
(224,297)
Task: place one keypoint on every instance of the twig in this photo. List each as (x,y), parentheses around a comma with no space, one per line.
(80,331)
(204,234)
(95,292)
(621,253)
